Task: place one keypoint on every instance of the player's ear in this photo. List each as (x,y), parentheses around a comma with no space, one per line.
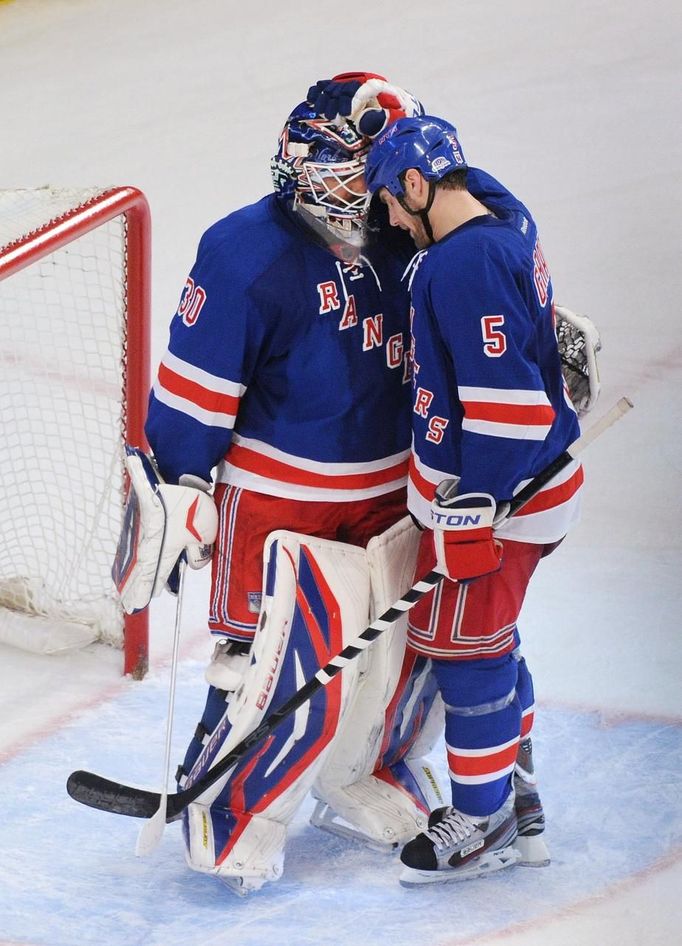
(414,183)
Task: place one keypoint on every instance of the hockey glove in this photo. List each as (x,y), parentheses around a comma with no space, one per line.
(579,343)
(365,98)
(463,533)
(161,523)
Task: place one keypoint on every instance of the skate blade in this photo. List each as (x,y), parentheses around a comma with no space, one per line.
(533,851)
(235,885)
(240,886)
(486,864)
(324,818)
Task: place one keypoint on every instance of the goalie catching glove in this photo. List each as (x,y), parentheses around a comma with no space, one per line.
(579,343)
(364,98)
(463,533)
(161,524)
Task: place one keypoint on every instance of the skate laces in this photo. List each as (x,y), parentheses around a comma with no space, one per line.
(455,827)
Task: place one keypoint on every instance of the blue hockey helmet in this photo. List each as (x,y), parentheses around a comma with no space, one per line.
(426,143)
(319,168)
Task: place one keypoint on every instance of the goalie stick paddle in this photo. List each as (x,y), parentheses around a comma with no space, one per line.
(107,795)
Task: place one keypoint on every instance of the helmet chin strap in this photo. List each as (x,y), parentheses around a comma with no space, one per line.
(423,214)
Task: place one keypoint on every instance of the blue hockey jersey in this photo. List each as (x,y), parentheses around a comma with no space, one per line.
(489,400)
(286,368)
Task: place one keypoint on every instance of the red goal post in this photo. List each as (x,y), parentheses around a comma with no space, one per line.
(74,353)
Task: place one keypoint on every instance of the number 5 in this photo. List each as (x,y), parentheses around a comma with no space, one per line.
(495,342)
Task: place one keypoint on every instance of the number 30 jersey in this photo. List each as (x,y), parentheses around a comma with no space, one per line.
(286,368)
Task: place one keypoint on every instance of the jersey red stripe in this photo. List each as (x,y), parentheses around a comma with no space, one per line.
(554,495)
(192,391)
(245,459)
(525,415)
(422,485)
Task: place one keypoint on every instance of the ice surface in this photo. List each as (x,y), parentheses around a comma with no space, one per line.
(611,789)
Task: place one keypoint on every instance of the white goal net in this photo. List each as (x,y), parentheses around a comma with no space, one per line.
(73,383)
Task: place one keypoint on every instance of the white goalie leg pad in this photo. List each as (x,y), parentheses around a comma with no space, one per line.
(391,558)
(315,601)
(360,794)
(262,844)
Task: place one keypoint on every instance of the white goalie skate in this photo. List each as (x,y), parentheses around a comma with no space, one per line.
(458,847)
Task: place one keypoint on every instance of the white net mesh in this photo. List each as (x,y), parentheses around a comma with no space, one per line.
(62,373)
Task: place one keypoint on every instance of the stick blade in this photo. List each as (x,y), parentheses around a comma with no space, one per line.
(95,791)
(151,832)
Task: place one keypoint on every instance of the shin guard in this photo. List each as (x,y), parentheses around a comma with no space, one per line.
(374,785)
(315,601)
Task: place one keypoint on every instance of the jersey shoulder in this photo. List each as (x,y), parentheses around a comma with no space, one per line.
(247,242)
(493,194)
(483,246)
(476,267)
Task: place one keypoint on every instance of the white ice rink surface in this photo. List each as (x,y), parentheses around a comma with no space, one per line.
(575,106)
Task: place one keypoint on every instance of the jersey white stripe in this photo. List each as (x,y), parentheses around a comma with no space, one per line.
(479,753)
(511,431)
(272,487)
(460,649)
(531,398)
(544,527)
(417,505)
(210,381)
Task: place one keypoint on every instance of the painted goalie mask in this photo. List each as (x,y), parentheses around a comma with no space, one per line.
(319,168)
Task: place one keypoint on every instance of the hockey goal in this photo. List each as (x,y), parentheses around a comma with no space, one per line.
(74,377)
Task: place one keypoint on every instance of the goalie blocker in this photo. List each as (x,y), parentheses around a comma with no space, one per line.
(162,522)
(357,745)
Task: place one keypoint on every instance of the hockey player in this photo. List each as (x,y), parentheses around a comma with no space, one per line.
(489,411)
(285,386)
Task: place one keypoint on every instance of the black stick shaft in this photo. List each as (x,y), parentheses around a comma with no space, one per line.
(98,792)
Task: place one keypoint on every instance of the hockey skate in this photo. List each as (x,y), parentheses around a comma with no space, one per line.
(530,817)
(457,846)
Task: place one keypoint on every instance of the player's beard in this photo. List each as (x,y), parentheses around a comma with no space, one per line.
(419,235)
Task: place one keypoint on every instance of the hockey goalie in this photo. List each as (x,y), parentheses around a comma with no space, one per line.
(285,391)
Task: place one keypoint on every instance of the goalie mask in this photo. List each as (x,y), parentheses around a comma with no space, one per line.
(319,169)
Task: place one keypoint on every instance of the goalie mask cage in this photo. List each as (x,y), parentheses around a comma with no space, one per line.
(74,379)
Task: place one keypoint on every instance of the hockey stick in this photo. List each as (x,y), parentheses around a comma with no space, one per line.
(152,830)
(99,792)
